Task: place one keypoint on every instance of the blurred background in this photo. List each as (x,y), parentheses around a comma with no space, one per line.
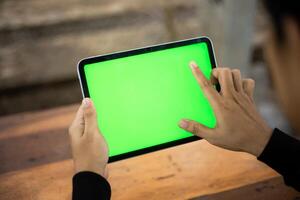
(42,41)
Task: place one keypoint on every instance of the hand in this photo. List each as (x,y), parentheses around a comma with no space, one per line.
(239,125)
(89,148)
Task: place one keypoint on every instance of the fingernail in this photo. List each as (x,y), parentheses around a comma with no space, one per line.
(193,65)
(183,124)
(86,102)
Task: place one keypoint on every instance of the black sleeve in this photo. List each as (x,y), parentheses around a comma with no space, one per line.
(282,153)
(90,186)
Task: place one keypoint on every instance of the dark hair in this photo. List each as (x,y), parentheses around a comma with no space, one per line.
(279,10)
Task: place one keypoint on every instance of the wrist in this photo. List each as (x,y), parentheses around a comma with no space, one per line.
(102,171)
(260,142)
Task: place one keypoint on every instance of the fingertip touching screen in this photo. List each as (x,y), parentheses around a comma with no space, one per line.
(141,95)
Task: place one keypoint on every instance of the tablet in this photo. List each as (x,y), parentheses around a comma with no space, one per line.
(140,95)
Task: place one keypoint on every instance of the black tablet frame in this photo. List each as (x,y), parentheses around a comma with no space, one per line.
(100,58)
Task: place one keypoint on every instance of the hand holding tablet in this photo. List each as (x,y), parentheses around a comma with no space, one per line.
(140,95)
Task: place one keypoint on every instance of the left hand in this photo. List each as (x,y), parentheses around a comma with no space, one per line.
(89,148)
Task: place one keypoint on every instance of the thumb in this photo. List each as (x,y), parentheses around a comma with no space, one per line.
(194,127)
(90,116)
(76,129)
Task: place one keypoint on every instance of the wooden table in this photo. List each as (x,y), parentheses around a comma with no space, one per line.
(35,164)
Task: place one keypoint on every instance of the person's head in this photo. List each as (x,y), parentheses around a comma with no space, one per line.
(282,53)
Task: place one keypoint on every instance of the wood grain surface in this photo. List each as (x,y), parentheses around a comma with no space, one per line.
(194,170)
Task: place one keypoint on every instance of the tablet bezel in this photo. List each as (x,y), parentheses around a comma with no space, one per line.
(100,58)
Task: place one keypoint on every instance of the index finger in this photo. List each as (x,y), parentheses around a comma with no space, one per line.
(206,85)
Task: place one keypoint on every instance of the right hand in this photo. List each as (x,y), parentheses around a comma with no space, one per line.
(239,125)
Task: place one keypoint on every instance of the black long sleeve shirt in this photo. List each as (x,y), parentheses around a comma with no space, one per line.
(90,186)
(280,154)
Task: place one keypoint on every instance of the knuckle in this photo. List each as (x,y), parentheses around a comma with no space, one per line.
(205,84)
(195,128)
(217,69)
(236,71)
(226,70)
(251,81)
(89,112)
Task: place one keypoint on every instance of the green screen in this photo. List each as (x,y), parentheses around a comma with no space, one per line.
(140,99)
